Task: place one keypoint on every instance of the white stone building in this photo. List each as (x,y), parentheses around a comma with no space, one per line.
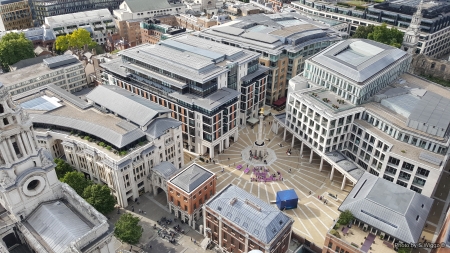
(359,111)
(137,9)
(99,22)
(210,7)
(114,138)
(38,212)
(65,71)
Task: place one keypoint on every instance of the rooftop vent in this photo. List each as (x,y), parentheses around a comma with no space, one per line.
(233,200)
(219,208)
(255,206)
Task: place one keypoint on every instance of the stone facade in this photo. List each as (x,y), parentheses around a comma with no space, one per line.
(427,66)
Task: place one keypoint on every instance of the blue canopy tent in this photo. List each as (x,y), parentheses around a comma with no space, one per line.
(287,199)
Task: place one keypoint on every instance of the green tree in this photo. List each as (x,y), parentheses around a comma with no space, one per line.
(14,47)
(383,34)
(127,229)
(345,217)
(99,196)
(78,39)
(62,168)
(77,181)
(404,250)
(362,32)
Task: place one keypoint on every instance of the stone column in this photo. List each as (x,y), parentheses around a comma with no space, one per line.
(293,139)
(11,148)
(22,148)
(246,243)
(284,135)
(211,152)
(259,139)
(5,154)
(227,142)
(301,149)
(311,156)
(332,173)
(32,144)
(343,182)
(27,144)
(170,208)
(220,232)
(205,234)
(321,164)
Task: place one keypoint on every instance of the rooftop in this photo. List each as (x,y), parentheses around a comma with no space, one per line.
(29,62)
(358,59)
(251,214)
(78,17)
(166,169)
(138,5)
(391,208)
(430,9)
(191,177)
(210,102)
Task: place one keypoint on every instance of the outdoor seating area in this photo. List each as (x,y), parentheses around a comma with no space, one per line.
(364,239)
(261,174)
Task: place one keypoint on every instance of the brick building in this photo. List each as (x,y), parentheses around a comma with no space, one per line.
(153,31)
(237,221)
(188,191)
(444,235)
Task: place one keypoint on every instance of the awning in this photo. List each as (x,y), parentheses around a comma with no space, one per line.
(252,121)
(280,102)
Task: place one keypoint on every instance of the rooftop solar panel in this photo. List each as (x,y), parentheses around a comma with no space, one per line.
(43,103)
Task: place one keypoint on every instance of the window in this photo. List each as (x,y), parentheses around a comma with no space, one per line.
(423,172)
(404,175)
(391,170)
(393,160)
(185,199)
(178,194)
(416,189)
(330,245)
(402,183)
(388,178)
(407,166)
(419,181)
(337,249)
(185,207)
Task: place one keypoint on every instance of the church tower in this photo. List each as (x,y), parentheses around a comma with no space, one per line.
(412,34)
(27,174)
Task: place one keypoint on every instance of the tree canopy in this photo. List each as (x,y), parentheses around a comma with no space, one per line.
(345,217)
(77,39)
(99,196)
(62,167)
(14,47)
(127,229)
(77,181)
(383,34)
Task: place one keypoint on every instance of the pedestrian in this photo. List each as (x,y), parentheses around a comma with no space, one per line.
(290,170)
(139,210)
(222,169)
(191,239)
(228,158)
(309,192)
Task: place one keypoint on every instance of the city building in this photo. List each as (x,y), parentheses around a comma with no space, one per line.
(284,41)
(188,191)
(40,36)
(357,108)
(38,212)
(47,8)
(211,88)
(194,23)
(237,221)
(444,236)
(108,142)
(28,62)
(210,7)
(100,22)
(384,214)
(65,71)
(434,25)
(152,31)
(15,15)
(137,9)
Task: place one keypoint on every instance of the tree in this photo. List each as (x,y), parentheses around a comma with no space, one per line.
(99,196)
(14,47)
(78,39)
(127,229)
(345,217)
(62,168)
(383,34)
(77,181)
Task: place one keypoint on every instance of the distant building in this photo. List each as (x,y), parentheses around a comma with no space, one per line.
(40,36)
(28,62)
(284,41)
(15,15)
(210,7)
(47,8)
(380,209)
(40,51)
(194,23)
(108,142)
(153,31)
(38,212)
(430,67)
(237,221)
(101,23)
(65,71)
(188,191)
(138,9)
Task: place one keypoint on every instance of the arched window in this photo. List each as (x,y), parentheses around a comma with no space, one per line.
(433,65)
(443,67)
(5,121)
(2,110)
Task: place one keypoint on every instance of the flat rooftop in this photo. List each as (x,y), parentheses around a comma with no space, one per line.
(393,209)
(358,59)
(210,102)
(78,17)
(191,177)
(251,214)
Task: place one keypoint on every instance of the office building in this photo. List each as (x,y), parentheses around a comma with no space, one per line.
(137,9)
(38,212)
(284,41)
(194,23)
(152,31)
(357,108)
(65,71)
(237,221)
(434,25)
(107,138)
(188,191)
(384,214)
(47,8)
(15,15)
(211,88)
(99,22)
(210,7)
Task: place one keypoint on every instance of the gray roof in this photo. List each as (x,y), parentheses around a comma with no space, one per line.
(139,5)
(433,110)
(126,104)
(111,136)
(391,208)
(57,225)
(358,59)
(29,62)
(166,169)
(212,101)
(60,60)
(264,224)
(349,166)
(160,125)
(69,97)
(191,177)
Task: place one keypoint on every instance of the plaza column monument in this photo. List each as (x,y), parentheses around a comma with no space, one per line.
(260,148)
